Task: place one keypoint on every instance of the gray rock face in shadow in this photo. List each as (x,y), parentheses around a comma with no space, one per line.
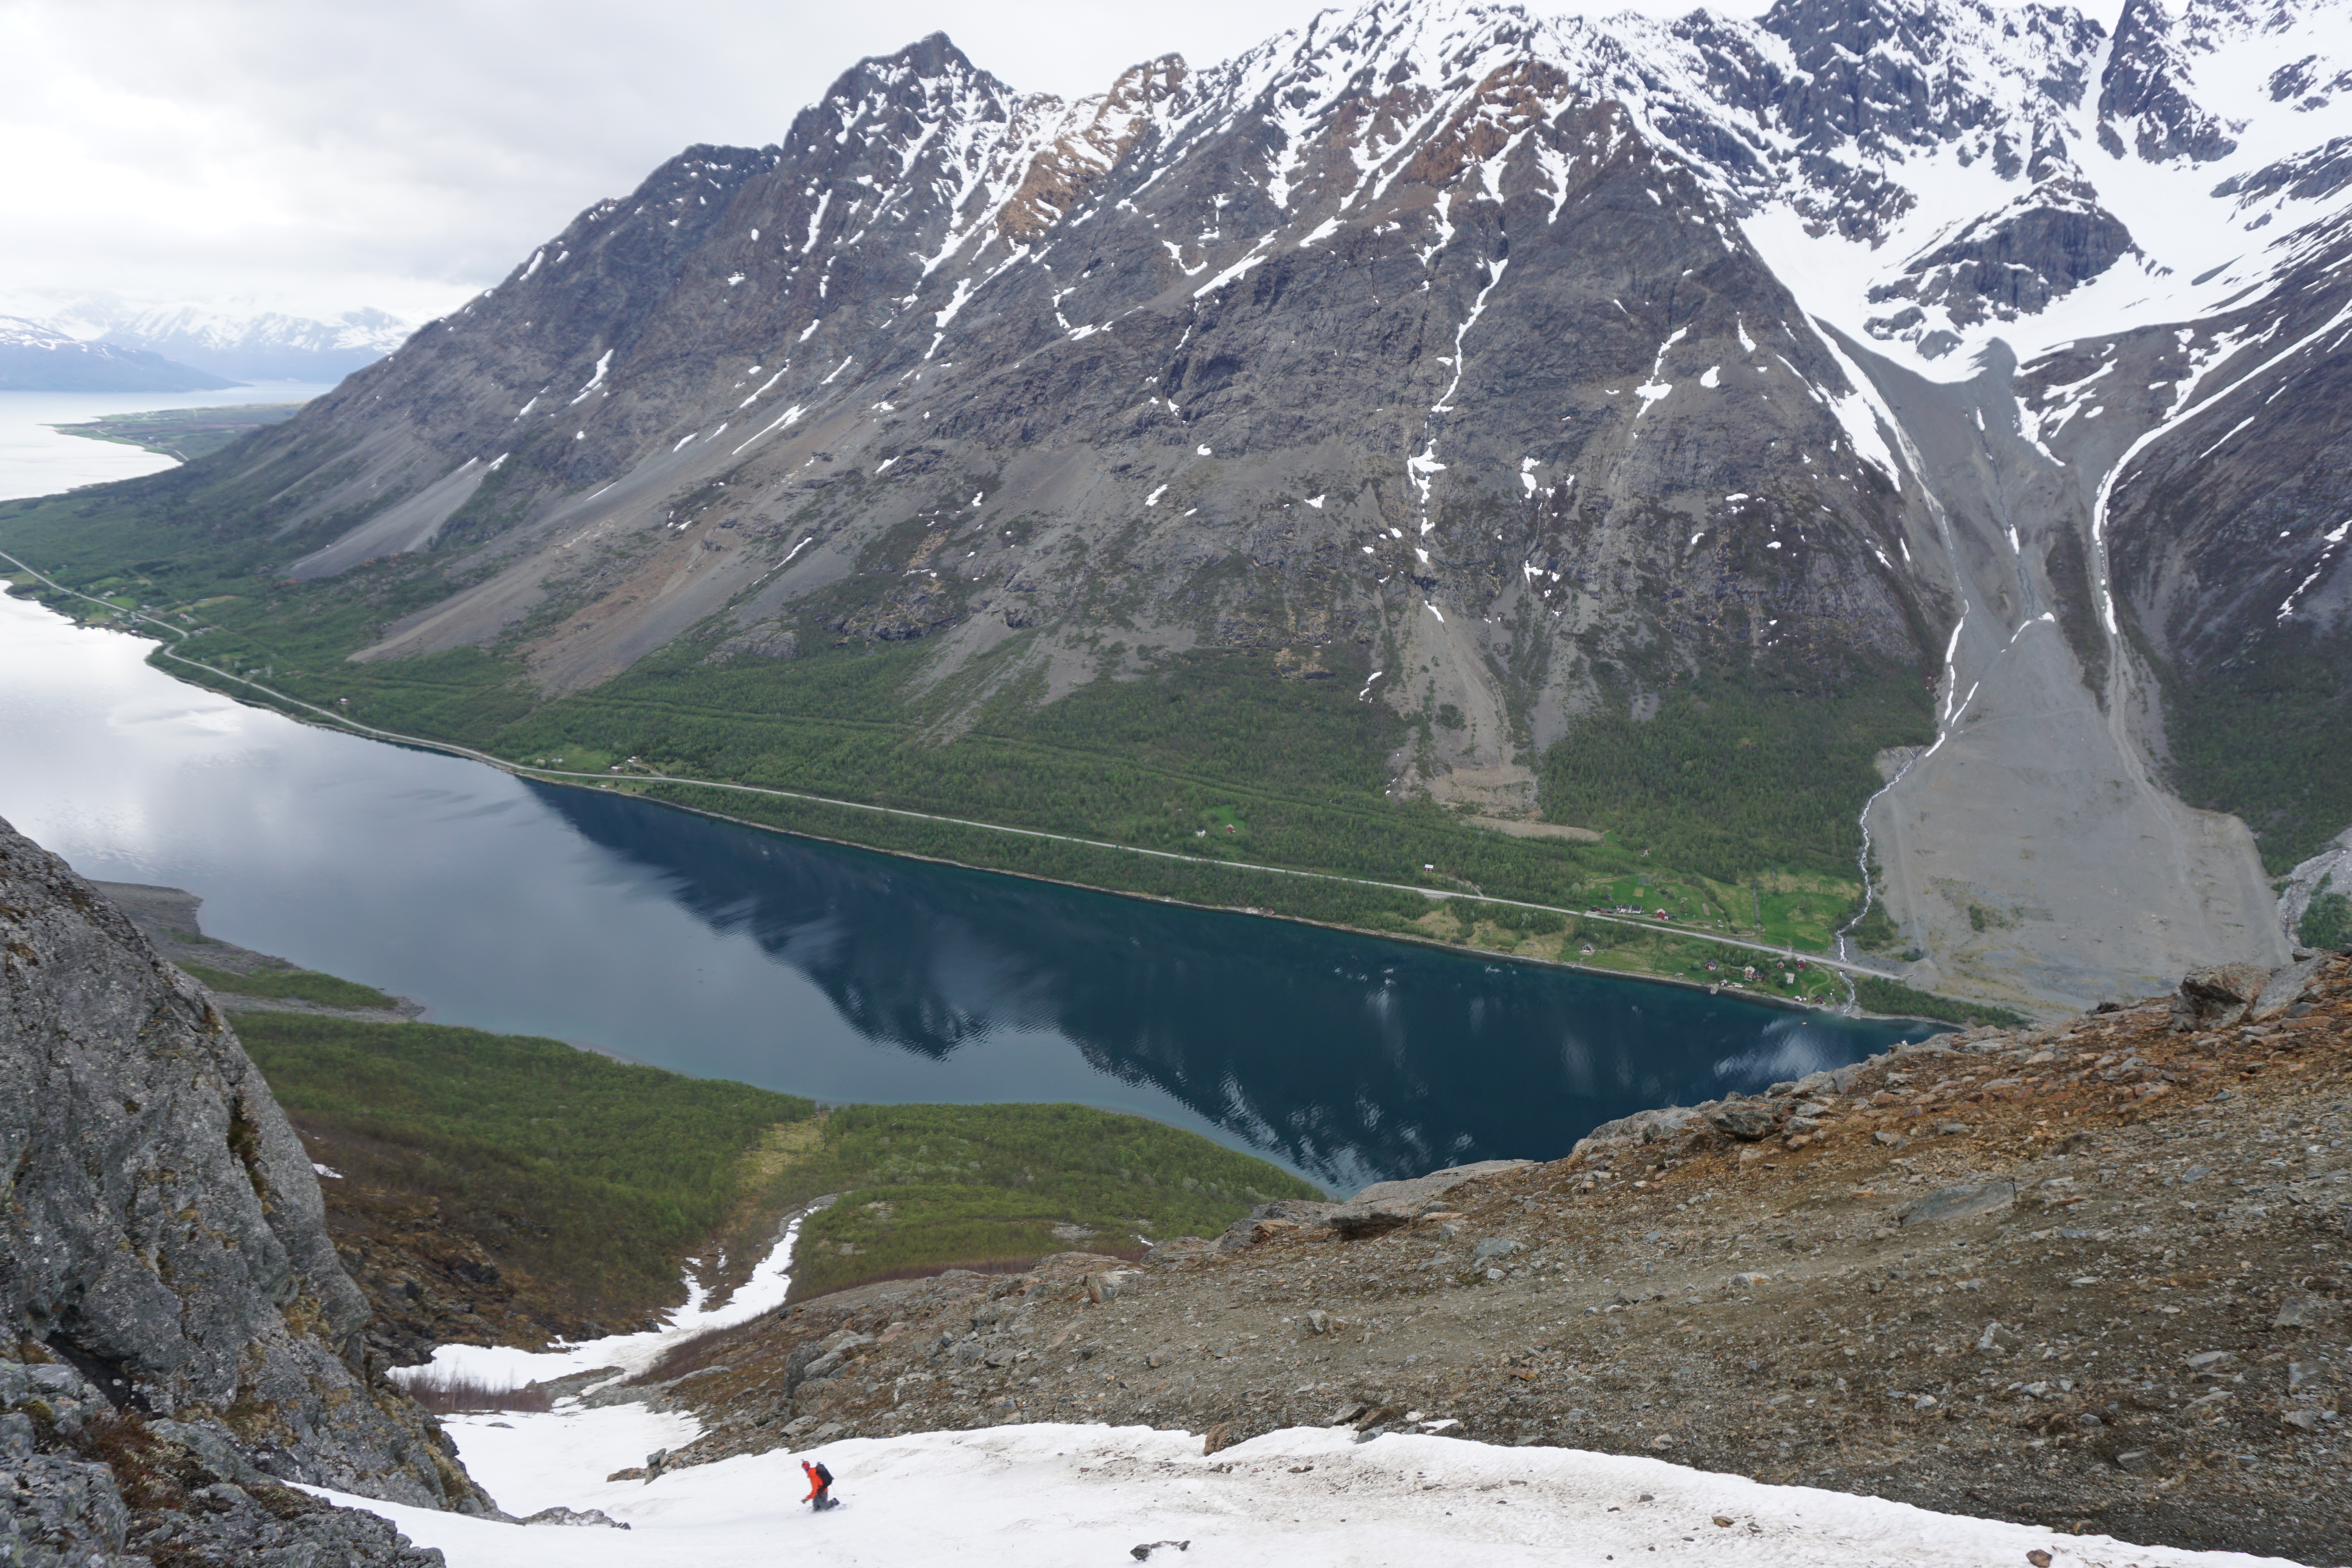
(164,1233)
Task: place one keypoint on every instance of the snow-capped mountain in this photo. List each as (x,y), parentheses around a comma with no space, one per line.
(1519,366)
(267,346)
(236,339)
(35,357)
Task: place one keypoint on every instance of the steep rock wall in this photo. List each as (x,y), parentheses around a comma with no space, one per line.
(165,1238)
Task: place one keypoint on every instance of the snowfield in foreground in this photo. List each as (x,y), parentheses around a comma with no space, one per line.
(1051,1494)
(1044,1494)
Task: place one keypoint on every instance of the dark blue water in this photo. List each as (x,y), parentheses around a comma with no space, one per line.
(1341,1056)
(729,952)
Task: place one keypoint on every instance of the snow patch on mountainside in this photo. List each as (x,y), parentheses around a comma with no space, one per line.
(502,1366)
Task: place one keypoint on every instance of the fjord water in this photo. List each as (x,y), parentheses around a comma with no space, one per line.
(34,459)
(728,952)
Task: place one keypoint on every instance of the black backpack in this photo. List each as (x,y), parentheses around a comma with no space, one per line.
(823,1476)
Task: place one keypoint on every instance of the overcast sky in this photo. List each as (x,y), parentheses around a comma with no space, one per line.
(320,155)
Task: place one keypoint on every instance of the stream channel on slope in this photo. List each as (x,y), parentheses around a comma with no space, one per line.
(843,974)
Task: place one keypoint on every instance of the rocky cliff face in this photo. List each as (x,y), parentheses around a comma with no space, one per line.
(174,1313)
(1526,367)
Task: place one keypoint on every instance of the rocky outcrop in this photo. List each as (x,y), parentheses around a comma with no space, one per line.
(84,1484)
(2217,996)
(1385,1205)
(165,1249)
(1744,1118)
(2325,880)
(1803,1111)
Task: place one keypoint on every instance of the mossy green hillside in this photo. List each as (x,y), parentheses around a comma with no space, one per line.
(2267,734)
(1893,997)
(601,1178)
(2327,920)
(303,985)
(927,1186)
(596,1176)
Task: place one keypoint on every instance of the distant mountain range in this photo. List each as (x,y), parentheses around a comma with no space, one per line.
(226,339)
(38,358)
(1580,389)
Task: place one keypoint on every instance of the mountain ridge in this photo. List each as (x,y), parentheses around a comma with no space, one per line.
(1531,370)
(36,357)
(239,339)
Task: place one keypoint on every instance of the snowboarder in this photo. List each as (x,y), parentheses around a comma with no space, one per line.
(820,1480)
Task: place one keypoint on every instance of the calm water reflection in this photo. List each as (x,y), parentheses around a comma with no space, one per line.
(728,952)
(1343,1056)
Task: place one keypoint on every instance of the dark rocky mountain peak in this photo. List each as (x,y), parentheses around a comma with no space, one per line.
(1527,368)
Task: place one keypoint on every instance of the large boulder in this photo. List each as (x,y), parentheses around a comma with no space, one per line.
(1746,1120)
(2217,997)
(1385,1205)
(1671,1123)
(2284,989)
(165,1235)
(1947,1204)
(1268,1221)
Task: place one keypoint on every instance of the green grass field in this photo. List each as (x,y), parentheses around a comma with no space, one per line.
(929,1185)
(601,1178)
(305,984)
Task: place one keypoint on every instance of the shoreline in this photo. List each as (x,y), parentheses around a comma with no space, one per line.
(306,712)
(1785,1003)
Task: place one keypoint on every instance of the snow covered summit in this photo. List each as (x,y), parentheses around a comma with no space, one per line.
(37,357)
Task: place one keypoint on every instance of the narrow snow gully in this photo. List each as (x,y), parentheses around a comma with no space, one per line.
(624,1355)
(1419,469)
(1907,464)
